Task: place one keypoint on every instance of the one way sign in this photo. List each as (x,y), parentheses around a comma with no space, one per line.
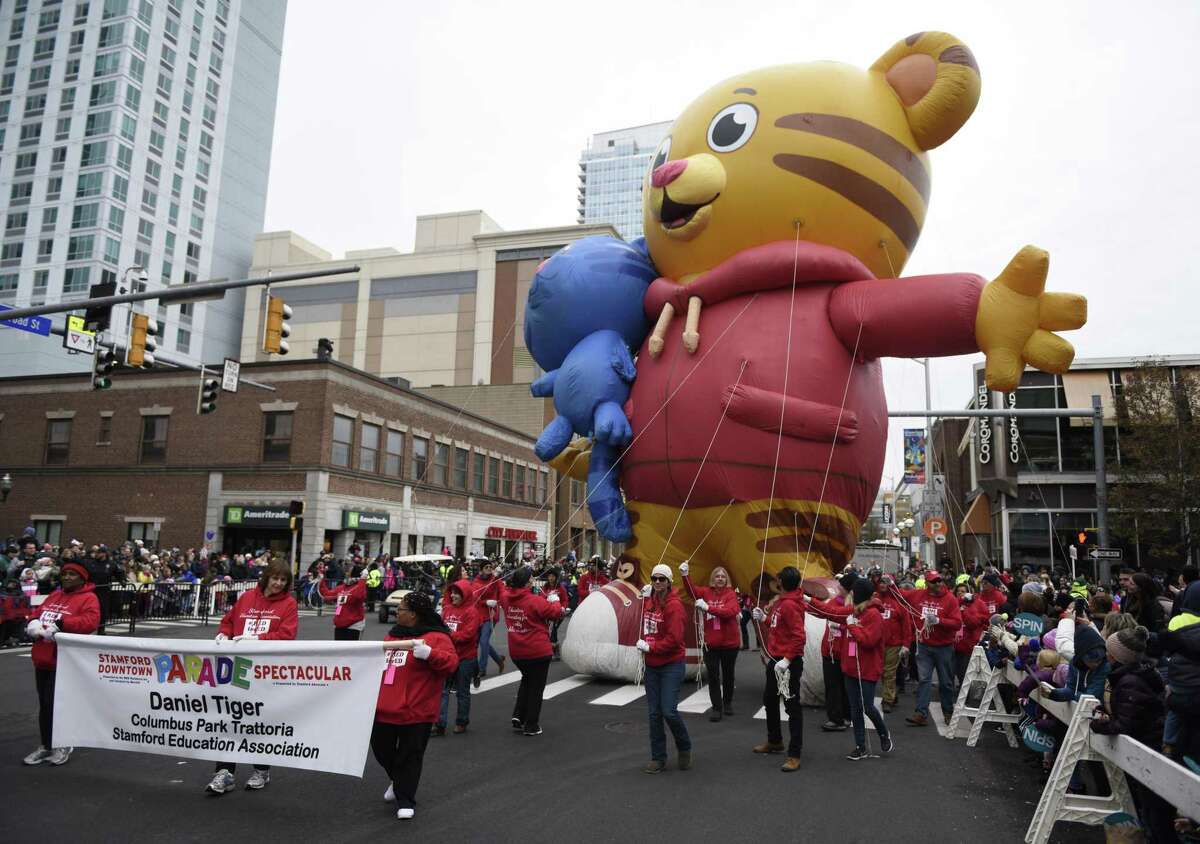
(1105,553)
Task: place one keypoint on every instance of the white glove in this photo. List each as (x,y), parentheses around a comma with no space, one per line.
(221,637)
(553,598)
(701,604)
(646,591)
(684,568)
(34,629)
(422,650)
(491,602)
(643,646)
(852,619)
(1046,688)
(781,665)
(757,614)
(566,611)
(247,637)
(49,631)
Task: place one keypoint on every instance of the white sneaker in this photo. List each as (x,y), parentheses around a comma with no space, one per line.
(37,757)
(390,794)
(258,780)
(59,755)
(222,781)
(405,814)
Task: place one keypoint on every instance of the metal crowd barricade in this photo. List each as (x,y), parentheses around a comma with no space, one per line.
(171,600)
(1120,756)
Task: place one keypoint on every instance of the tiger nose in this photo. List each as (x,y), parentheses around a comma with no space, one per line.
(667,173)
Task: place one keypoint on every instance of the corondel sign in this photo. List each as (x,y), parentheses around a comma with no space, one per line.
(1014,433)
(364,520)
(985,426)
(511,533)
(257,515)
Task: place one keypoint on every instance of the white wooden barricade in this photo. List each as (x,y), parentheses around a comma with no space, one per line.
(1120,755)
(991,706)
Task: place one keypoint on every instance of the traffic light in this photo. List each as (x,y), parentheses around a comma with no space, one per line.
(142,341)
(206,402)
(1082,538)
(97,319)
(277,330)
(104,361)
(295,512)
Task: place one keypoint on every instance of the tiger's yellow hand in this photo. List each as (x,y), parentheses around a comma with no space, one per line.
(573,460)
(1017,319)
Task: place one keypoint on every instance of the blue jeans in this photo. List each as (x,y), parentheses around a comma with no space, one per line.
(662,698)
(861,696)
(485,646)
(930,657)
(462,690)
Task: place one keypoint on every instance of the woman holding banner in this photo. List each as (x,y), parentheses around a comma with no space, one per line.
(268,611)
(420,658)
(72,608)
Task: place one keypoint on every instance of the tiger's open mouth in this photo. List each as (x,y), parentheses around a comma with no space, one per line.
(676,215)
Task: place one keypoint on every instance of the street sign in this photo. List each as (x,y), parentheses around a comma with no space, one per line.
(1105,553)
(935,527)
(77,338)
(33,324)
(888,515)
(229,376)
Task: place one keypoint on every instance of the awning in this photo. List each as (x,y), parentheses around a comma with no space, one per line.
(979,517)
(1081,386)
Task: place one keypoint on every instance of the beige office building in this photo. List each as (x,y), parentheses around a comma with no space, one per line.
(446,318)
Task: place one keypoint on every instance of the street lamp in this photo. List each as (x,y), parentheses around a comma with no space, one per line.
(904,531)
(6,485)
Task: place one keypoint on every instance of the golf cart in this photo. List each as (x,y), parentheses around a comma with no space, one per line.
(387,608)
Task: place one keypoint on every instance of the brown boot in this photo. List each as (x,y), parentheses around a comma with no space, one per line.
(917,720)
(768,747)
(792,763)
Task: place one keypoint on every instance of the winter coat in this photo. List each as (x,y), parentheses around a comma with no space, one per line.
(662,628)
(71,612)
(1135,704)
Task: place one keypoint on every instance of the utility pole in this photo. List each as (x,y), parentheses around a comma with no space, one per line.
(1101,474)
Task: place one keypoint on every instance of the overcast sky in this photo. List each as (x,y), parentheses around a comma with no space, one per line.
(1084,142)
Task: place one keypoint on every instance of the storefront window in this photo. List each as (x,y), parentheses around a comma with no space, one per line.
(343,440)
(368,450)
(395,448)
(432,544)
(460,468)
(420,457)
(441,463)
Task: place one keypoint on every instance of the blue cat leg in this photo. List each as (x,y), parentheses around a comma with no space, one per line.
(604,494)
(554,439)
(610,425)
(544,386)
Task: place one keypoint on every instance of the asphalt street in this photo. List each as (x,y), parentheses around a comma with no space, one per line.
(580,780)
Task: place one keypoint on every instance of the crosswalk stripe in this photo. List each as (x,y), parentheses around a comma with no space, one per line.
(878,706)
(490,683)
(697,702)
(761,714)
(621,696)
(565,685)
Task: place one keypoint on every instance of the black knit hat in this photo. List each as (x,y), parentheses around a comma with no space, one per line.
(862,590)
(847,580)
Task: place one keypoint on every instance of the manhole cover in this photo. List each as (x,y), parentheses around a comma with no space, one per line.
(627,727)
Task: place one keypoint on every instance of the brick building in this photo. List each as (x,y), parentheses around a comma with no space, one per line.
(371,460)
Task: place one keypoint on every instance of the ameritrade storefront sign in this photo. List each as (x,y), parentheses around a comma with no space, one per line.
(365,520)
(257,515)
(255,702)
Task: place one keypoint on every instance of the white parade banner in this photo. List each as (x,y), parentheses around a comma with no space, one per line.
(296,704)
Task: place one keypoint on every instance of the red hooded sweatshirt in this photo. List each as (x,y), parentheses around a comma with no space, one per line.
(588,582)
(525,616)
(463,621)
(410,691)
(942,612)
(255,614)
(485,589)
(894,617)
(861,647)
(662,628)
(785,630)
(349,599)
(72,612)
(721,619)
(831,642)
(975,617)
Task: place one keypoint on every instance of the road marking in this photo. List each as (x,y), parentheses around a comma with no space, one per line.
(565,685)
(761,714)
(620,696)
(697,702)
(20,649)
(490,683)
(879,707)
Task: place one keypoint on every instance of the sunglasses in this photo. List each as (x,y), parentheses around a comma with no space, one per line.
(659,579)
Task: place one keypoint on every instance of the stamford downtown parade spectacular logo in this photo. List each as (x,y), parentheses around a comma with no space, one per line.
(205,703)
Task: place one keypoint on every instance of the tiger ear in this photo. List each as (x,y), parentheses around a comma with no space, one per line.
(936,78)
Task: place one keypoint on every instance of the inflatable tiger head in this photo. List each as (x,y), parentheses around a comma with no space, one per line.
(835,150)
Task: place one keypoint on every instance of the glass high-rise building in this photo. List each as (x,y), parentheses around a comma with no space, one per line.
(134,133)
(611,172)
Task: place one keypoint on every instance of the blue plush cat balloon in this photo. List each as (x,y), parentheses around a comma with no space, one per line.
(583,316)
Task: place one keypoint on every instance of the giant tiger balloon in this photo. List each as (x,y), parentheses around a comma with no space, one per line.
(779,214)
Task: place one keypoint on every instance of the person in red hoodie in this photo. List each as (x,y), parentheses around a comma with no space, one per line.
(486,590)
(268,611)
(554,586)
(937,609)
(460,612)
(719,603)
(784,657)
(662,645)
(72,608)
(418,663)
(591,579)
(975,614)
(895,636)
(861,660)
(349,607)
(526,616)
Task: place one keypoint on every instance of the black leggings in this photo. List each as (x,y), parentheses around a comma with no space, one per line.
(837,708)
(346,633)
(528,707)
(44,678)
(719,663)
(400,751)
